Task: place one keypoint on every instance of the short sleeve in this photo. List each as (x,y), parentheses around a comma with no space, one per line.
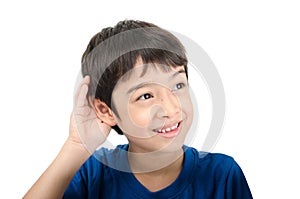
(237,186)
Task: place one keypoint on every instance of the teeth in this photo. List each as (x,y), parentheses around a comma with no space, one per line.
(168,129)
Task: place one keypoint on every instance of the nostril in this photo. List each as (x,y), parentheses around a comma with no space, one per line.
(168,110)
(157,110)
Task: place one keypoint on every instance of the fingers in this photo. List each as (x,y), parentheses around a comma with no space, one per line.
(82,101)
(80,97)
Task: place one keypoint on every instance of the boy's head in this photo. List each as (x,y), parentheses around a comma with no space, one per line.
(118,56)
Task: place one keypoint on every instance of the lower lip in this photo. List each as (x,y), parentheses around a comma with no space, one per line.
(172,133)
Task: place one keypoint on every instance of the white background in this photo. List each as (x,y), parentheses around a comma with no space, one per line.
(255,46)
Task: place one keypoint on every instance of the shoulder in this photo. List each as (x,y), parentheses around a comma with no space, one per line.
(218,175)
(202,157)
(216,164)
(110,160)
(94,173)
(105,157)
(100,165)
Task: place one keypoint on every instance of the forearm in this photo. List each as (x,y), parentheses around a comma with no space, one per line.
(55,180)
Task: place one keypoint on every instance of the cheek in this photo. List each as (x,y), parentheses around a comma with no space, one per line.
(187,105)
(136,123)
(190,113)
(133,120)
(139,117)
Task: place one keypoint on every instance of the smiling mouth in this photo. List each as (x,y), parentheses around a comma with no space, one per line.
(168,129)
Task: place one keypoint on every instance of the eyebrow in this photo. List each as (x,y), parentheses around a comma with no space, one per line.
(144,84)
(177,73)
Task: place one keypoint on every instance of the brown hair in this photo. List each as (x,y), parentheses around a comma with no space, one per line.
(113,52)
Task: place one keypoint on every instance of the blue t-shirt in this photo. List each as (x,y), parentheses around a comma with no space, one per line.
(203,175)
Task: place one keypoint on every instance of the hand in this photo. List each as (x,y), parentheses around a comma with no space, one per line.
(85,127)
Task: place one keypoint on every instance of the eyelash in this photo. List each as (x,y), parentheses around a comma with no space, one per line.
(150,96)
(181,84)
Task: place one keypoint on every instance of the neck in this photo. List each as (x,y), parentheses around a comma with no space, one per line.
(156,162)
(156,171)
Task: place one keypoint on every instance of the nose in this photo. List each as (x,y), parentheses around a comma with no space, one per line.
(169,105)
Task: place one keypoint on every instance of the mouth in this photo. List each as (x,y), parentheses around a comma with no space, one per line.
(169,131)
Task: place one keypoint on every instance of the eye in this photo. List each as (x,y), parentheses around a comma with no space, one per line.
(179,86)
(145,96)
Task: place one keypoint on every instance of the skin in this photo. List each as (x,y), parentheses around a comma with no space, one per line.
(156,161)
(162,100)
(146,103)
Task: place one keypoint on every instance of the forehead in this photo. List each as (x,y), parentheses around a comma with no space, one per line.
(151,73)
(148,70)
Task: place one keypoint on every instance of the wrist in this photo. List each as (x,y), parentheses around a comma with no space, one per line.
(76,149)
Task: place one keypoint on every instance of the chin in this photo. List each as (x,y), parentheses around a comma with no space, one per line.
(172,147)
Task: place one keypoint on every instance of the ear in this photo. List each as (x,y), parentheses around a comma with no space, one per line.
(103,112)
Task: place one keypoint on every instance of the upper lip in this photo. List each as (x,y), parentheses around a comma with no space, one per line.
(168,126)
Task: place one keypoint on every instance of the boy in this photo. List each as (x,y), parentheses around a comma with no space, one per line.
(135,81)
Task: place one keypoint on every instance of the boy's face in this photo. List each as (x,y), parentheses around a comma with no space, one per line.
(155,109)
